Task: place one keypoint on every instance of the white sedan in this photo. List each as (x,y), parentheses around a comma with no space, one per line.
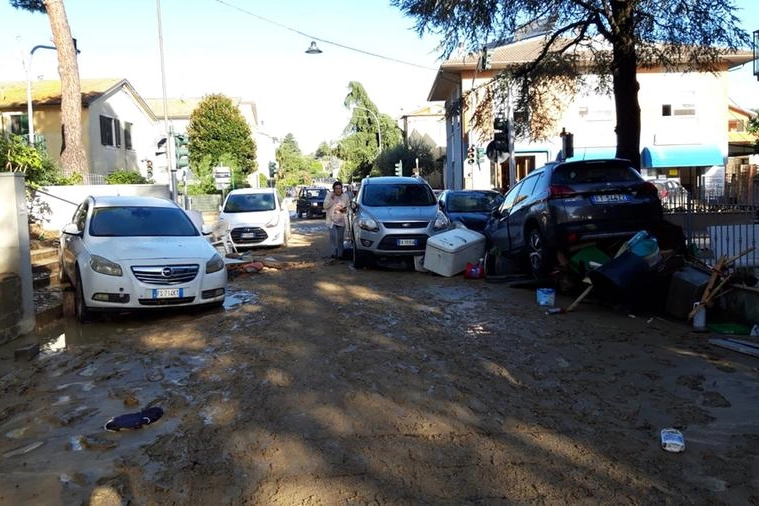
(125,253)
(256,217)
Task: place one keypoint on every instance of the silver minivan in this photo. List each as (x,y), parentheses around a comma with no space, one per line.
(393,216)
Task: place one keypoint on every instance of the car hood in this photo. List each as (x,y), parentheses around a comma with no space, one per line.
(251,219)
(150,248)
(473,221)
(427,213)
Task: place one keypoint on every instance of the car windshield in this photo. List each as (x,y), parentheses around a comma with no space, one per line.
(398,195)
(593,173)
(473,203)
(319,193)
(249,202)
(139,221)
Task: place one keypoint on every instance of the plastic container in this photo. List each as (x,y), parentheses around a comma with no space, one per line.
(699,318)
(448,253)
(546,296)
(645,246)
(672,440)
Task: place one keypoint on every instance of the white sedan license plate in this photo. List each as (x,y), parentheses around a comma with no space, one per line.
(610,198)
(167,293)
(247,235)
(406,242)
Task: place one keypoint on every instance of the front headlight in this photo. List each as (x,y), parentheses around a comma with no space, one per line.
(215,264)
(368,224)
(105,266)
(441,221)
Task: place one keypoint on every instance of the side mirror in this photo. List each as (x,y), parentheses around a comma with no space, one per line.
(495,213)
(71,229)
(206,229)
(353,205)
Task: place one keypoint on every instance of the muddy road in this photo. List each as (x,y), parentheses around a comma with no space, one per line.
(322,385)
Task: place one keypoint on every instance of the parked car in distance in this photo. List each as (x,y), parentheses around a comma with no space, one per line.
(470,207)
(564,205)
(310,202)
(256,217)
(393,216)
(125,253)
(673,196)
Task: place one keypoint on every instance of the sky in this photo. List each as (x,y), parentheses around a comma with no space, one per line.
(255,50)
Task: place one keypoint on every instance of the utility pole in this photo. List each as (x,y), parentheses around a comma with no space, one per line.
(169,131)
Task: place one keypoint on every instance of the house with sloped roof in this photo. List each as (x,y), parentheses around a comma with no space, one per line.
(684,118)
(118,127)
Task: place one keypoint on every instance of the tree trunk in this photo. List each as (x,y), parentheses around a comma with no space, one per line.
(73,157)
(625,79)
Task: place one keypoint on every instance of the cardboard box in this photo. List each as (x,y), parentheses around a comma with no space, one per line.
(448,253)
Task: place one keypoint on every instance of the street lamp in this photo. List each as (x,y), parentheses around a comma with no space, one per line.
(379,127)
(29,112)
(756,53)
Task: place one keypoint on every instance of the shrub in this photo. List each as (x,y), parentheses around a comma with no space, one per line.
(126,176)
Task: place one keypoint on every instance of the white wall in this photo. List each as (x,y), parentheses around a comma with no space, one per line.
(56,204)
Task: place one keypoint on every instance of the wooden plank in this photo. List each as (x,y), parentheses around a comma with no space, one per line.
(730,345)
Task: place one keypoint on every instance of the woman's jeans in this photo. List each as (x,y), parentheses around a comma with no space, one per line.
(336,235)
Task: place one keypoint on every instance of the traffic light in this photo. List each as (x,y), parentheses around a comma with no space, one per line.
(399,168)
(501,130)
(487,59)
(272,169)
(182,150)
(470,155)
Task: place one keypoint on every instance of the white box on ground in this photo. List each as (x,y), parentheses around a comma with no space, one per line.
(448,253)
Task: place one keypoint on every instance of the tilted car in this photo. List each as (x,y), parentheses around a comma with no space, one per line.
(310,202)
(561,206)
(393,216)
(470,207)
(124,253)
(256,217)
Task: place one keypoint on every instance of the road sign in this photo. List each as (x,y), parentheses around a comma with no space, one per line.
(222,174)
(497,151)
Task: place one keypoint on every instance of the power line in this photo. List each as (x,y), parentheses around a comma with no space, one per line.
(325,41)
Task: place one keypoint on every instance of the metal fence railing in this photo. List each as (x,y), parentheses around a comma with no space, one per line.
(717,223)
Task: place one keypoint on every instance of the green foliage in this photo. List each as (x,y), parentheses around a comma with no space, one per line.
(38,168)
(359,146)
(294,168)
(126,176)
(416,151)
(29,5)
(217,131)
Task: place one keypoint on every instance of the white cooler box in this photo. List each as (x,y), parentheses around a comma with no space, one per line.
(448,253)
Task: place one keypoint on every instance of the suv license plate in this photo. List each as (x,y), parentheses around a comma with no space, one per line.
(167,293)
(406,242)
(610,198)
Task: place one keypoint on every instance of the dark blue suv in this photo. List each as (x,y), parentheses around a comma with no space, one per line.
(565,205)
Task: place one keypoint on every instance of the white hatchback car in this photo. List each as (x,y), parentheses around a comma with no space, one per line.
(256,217)
(124,253)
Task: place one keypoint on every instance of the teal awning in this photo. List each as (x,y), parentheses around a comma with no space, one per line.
(697,155)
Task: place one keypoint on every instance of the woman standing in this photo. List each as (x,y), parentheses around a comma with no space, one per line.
(335,208)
